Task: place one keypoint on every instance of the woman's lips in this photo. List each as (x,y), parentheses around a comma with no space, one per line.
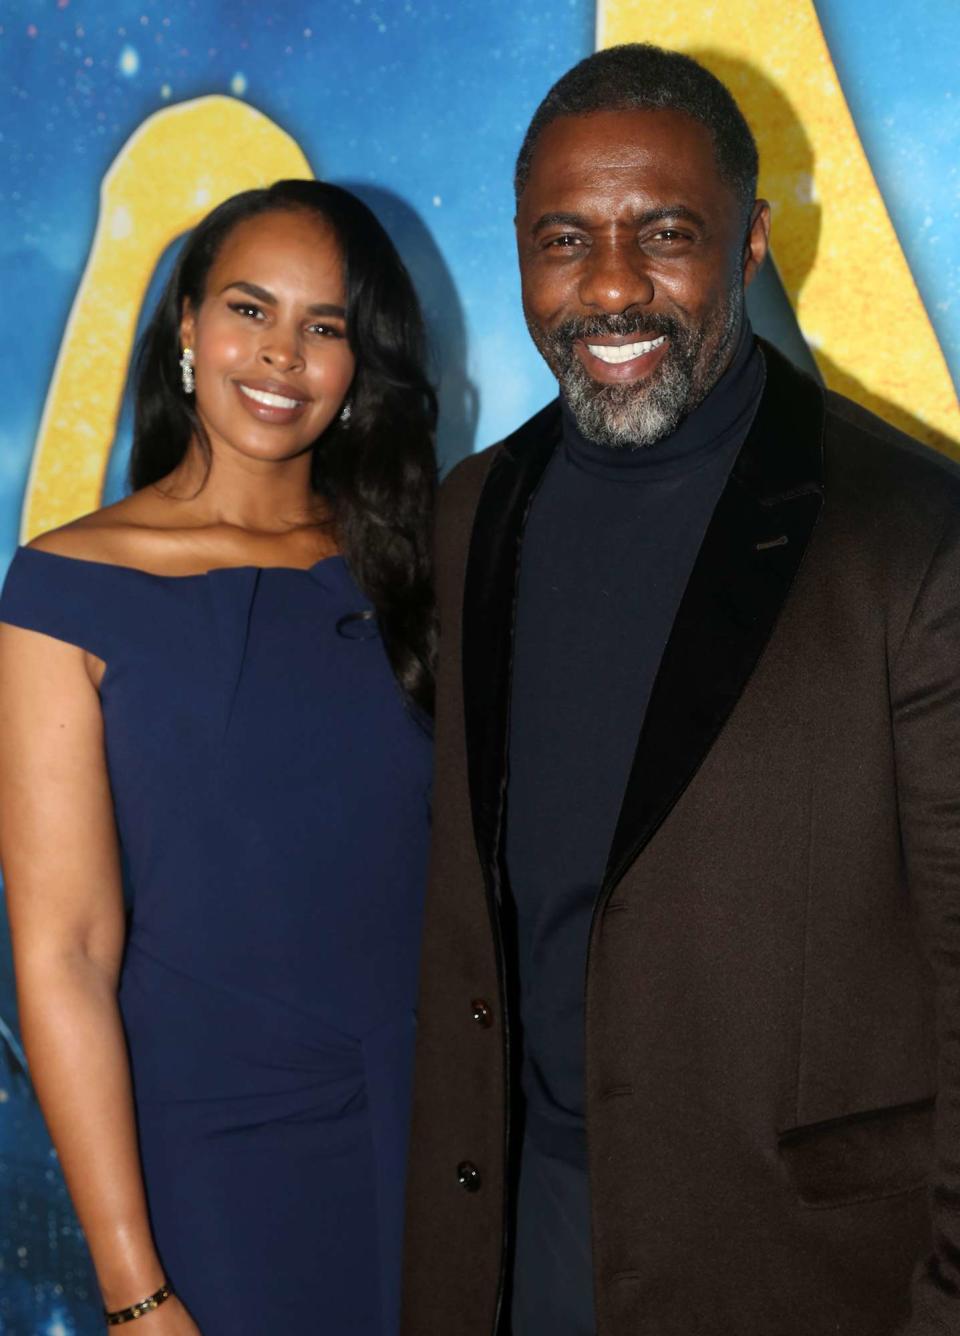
(615,361)
(270,405)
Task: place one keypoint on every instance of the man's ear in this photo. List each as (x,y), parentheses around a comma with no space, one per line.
(757,242)
(187,326)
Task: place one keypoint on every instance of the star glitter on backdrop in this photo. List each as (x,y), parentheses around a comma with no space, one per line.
(419,106)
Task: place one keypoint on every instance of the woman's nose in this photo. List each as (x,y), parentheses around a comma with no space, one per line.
(281,351)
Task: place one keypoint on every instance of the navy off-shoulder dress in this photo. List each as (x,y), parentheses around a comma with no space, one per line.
(271,793)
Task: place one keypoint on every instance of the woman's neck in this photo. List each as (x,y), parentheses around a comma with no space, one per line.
(261,497)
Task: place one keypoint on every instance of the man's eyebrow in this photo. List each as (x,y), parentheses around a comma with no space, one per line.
(681,212)
(262,295)
(558,220)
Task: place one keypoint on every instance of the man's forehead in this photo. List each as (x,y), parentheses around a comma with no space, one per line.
(621,139)
(634,156)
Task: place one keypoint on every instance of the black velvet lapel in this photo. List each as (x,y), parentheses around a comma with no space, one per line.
(750,554)
(490,592)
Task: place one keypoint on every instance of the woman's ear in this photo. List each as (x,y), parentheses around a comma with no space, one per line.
(187,326)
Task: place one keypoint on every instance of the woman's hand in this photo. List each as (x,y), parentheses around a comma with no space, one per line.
(170,1319)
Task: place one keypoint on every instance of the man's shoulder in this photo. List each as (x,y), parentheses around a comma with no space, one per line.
(461,489)
(465,480)
(884,467)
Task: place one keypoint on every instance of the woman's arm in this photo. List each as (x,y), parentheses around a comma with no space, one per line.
(61,868)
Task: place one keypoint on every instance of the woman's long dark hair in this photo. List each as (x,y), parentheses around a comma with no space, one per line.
(378,470)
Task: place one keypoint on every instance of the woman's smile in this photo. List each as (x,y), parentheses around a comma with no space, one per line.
(272,401)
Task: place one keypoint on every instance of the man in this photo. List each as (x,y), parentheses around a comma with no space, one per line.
(689,1045)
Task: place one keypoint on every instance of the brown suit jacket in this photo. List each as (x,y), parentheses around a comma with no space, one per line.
(773,983)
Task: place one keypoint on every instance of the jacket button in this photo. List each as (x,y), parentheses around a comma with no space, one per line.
(482,1013)
(468,1176)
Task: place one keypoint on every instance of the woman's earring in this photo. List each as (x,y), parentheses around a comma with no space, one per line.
(345,413)
(186,370)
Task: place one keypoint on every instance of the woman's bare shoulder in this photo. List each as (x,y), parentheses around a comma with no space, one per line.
(121,534)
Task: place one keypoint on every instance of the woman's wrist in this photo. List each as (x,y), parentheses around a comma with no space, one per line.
(128,1279)
(117,1317)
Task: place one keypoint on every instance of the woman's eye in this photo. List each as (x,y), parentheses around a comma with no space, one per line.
(327,331)
(247,309)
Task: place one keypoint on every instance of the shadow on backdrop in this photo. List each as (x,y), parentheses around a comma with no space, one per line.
(443,312)
(767,301)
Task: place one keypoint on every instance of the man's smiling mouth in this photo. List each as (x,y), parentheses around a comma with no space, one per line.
(624,352)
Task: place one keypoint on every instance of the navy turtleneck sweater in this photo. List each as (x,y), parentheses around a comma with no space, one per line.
(608,549)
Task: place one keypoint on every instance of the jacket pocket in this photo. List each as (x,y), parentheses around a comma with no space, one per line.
(862,1157)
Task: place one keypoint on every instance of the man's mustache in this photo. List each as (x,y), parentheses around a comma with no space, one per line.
(617,326)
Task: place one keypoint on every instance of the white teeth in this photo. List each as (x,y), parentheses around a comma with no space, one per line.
(626,352)
(271,400)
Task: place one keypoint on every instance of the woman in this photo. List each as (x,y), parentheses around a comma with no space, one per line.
(221,682)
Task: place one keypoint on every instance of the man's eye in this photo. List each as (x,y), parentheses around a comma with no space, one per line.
(566,241)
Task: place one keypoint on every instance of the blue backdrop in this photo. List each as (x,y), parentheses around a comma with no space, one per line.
(419,107)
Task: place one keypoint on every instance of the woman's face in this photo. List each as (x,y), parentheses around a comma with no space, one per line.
(272,362)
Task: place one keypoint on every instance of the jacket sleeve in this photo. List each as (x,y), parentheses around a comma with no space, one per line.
(925,687)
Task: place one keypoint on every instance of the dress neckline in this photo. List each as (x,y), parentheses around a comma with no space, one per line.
(195,575)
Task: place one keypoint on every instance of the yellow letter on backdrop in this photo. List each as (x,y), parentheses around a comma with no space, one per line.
(178,165)
(845,274)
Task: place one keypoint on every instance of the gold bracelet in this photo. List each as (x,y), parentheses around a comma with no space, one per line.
(121,1315)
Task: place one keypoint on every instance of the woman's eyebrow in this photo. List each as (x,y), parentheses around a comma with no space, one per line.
(252,289)
(262,295)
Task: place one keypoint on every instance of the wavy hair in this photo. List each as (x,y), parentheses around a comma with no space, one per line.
(377,471)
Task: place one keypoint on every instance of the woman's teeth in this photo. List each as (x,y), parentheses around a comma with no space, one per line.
(270,400)
(626,352)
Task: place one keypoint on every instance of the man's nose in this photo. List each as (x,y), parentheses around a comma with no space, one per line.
(615,278)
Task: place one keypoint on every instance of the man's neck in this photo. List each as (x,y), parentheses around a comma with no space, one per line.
(706,428)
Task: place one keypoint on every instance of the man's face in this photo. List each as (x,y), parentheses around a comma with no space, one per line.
(634,254)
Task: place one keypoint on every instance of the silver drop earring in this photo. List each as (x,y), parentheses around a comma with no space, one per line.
(345,413)
(186,370)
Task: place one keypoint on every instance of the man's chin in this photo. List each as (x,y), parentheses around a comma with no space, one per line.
(622,416)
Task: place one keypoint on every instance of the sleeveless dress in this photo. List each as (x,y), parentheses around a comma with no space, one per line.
(271,792)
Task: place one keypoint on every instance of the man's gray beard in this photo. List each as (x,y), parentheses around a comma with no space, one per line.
(640,414)
(620,415)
